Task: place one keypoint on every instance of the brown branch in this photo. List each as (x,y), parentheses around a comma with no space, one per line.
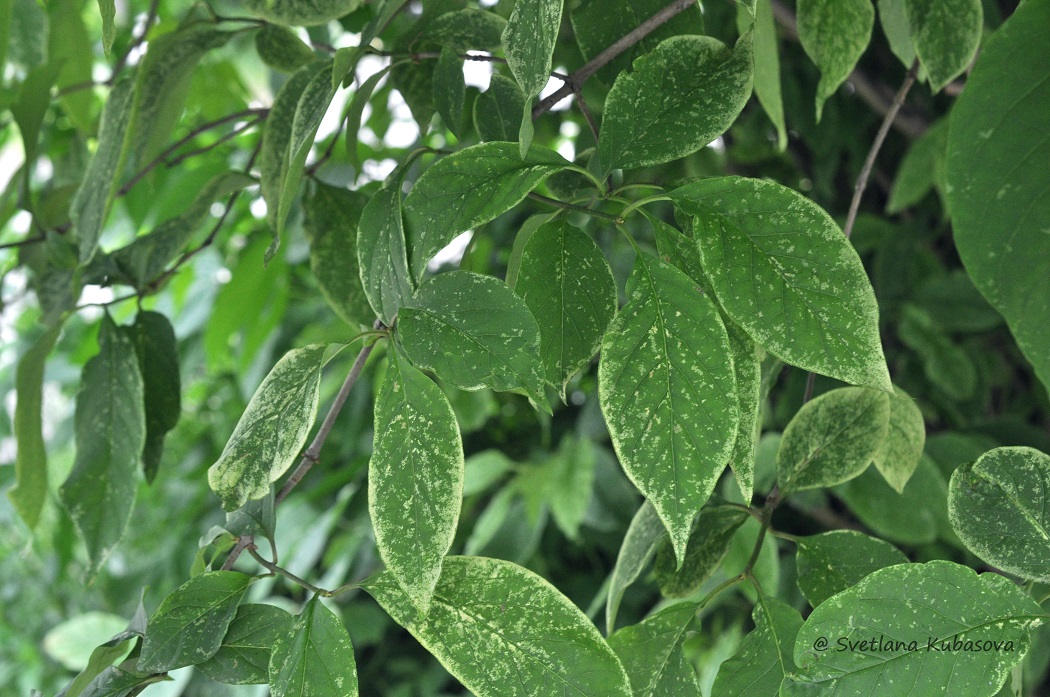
(574,81)
(211,146)
(20,243)
(587,115)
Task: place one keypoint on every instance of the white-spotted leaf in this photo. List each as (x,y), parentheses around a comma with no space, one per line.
(834,34)
(946,35)
(300,12)
(243,657)
(834,561)
(899,454)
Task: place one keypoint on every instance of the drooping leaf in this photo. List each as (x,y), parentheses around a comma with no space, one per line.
(528,42)
(28,35)
(893,18)
(281,48)
(946,35)
(381,251)
(108,10)
(497,112)
(643,537)
(502,630)
(568,286)
(765,656)
(767,63)
(273,429)
(468,188)
(982,622)
(834,34)
(105,654)
(712,533)
(117,682)
(449,89)
(29,110)
(189,625)
(474,332)
(782,270)
(158,357)
(415,478)
(666,387)
(921,168)
(834,561)
(747,371)
(315,657)
(996,171)
(243,657)
(832,438)
(110,432)
(677,99)
(467,29)
(899,454)
(299,13)
(355,110)
(651,653)
(484,469)
(997,505)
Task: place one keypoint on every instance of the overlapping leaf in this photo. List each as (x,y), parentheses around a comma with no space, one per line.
(834,561)
(331,223)
(382,253)
(899,454)
(651,653)
(712,533)
(315,657)
(528,41)
(158,356)
(640,542)
(243,657)
(946,35)
(765,656)
(834,34)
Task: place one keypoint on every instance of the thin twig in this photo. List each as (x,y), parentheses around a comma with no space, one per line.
(20,243)
(274,569)
(238,130)
(587,115)
(574,207)
(135,43)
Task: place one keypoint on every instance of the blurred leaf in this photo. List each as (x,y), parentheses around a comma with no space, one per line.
(834,561)
(564,483)
(466,30)
(484,469)
(639,544)
(281,48)
(158,357)
(296,12)
(71,642)
(108,11)
(34,99)
(314,658)
(834,34)
(921,169)
(70,48)
(243,657)
(945,364)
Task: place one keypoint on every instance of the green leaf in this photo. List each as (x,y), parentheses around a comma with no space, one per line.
(30,489)
(667,391)
(678,98)
(281,48)
(468,188)
(899,454)
(954,303)
(255,517)
(832,438)
(921,168)
(767,63)
(528,42)
(110,431)
(28,35)
(381,251)
(108,10)
(273,429)
(651,653)
(355,110)
(893,18)
(467,29)
(117,682)
(834,34)
(91,204)
(484,469)
(158,358)
(502,630)
(996,171)
(71,48)
(834,561)
(643,537)
(189,625)
(912,606)
(568,286)
(946,35)
(945,363)
(105,654)
(415,478)
(243,657)
(299,13)
(997,505)
(747,370)
(764,658)
(712,533)
(449,89)
(474,332)
(331,223)
(497,112)
(315,657)
(34,100)
(782,269)
(563,483)
(7,8)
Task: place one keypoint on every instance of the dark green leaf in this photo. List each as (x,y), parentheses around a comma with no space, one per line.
(764,658)
(381,251)
(893,18)
(117,682)
(637,549)
(256,517)
(281,48)
(159,363)
(712,532)
(944,362)
(946,35)
(651,653)
(355,110)
(497,112)
(298,12)
(467,29)
(528,42)
(899,454)
(315,657)
(955,304)
(767,63)
(834,561)
(243,657)
(449,89)
(921,168)
(834,33)
(331,223)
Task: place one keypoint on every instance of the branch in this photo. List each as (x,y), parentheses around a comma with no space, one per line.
(20,243)
(574,81)
(135,43)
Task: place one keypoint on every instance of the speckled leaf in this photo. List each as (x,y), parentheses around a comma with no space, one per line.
(764,658)
(300,12)
(651,653)
(503,631)
(832,438)
(747,370)
(474,332)
(998,506)
(281,48)
(528,42)
(936,603)
(497,112)
(315,657)
(899,454)
(997,170)
(272,430)
(331,223)
(468,188)
(568,286)
(946,35)
(110,430)
(767,63)
(677,99)
(834,34)
(158,355)
(712,533)
(415,478)
(783,270)
(243,657)
(108,11)
(449,89)
(189,625)
(667,391)
(381,251)
(277,134)
(833,561)
(466,30)
(643,536)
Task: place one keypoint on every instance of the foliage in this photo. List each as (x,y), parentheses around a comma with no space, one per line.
(381,347)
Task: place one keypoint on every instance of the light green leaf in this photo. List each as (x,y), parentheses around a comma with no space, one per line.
(834,561)
(332,216)
(946,35)
(497,112)
(355,110)
(502,630)
(381,251)
(563,482)
(474,332)
(415,478)
(747,370)
(7,8)
(767,63)
(568,286)
(158,356)
(243,657)
(106,654)
(712,533)
(299,13)
(484,469)
(28,35)
(468,188)
(643,536)
(34,100)
(108,10)
(893,18)
(834,34)
(911,606)
(71,641)
(467,29)
(997,505)
(272,431)
(667,391)
(281,48)
(91,204)
(71,48)
(996,174)
(315,657)
(449,89)
(764,658)
(189,625)
(110,431)
(651,653)
(782,270)
(528,42)
(899,454)
(676,100)
(30,489)
(921,168)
